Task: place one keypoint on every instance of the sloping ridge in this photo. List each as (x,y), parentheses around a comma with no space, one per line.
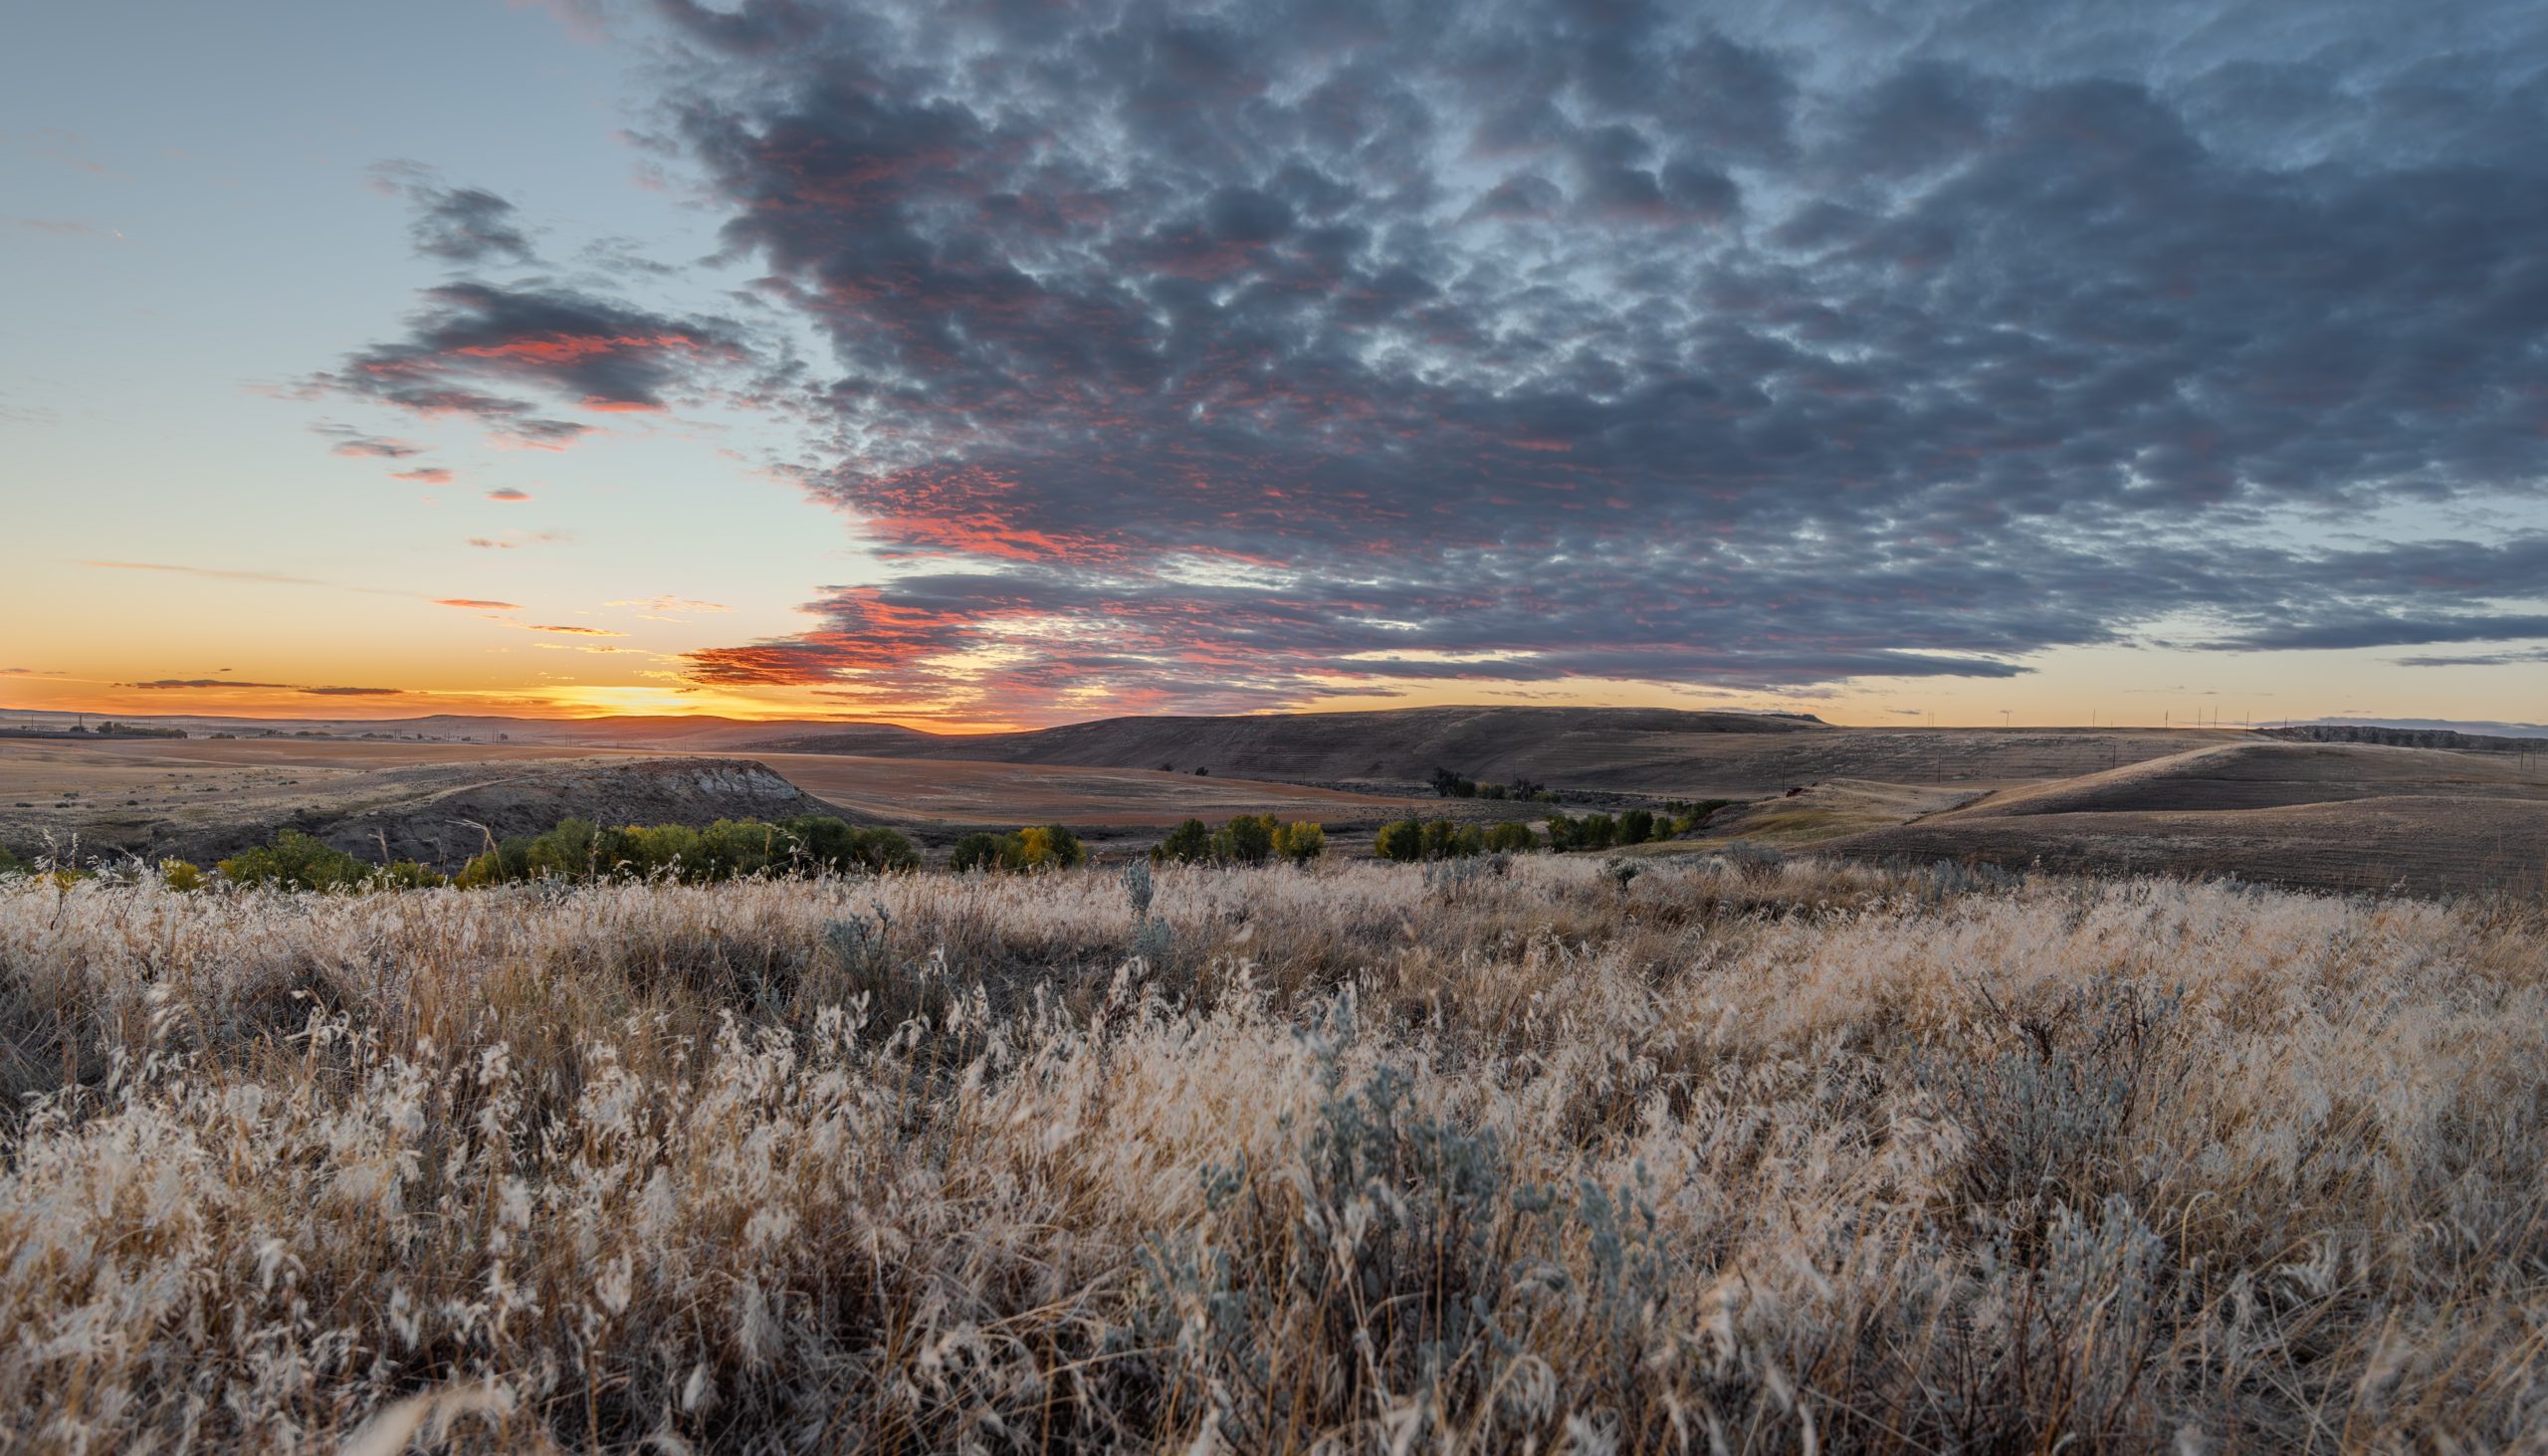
(2328,816)
(1392,745)
(2264,775)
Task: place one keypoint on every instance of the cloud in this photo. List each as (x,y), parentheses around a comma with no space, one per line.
(513,539)
(574,631)
(187,683)
(476,605)
(672,604)
(475,349)
(2388,631)
(361,446)
(508,495)
(210,573)
(2479,659)
(61,227)
(455,224)
(429,476)
(1244,358)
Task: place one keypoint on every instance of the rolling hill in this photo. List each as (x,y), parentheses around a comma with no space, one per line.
(1629,751)
(2331,816)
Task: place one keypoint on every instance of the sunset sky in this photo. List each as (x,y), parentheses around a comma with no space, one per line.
(977,364)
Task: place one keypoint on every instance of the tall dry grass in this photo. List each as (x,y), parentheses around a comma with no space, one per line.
(1707,1157)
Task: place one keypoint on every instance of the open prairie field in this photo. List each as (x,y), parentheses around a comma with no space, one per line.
(2342,816)
(2338,816)
(1480,1157)
(200,799)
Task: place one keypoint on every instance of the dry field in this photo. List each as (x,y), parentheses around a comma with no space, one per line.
(1543,1156)
(199,798)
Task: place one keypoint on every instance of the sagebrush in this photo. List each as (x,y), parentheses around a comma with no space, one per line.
(1713,1156)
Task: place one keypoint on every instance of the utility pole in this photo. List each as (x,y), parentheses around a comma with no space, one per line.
(2003,718)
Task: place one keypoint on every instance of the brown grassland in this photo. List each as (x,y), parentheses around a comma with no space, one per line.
(1554,1154)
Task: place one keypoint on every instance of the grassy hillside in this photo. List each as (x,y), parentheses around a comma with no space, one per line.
(2335,816)
(1745,1158)
(1624,749)
(1398,745)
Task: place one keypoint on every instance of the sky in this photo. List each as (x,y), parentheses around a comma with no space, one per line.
(1003,362)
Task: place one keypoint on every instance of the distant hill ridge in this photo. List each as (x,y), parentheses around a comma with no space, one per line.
(2399,738)
(1387,745)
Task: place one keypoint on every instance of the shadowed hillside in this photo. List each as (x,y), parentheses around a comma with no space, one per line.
(1397,746)
(1622,750)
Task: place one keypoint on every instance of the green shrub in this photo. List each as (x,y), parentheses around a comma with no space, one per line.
(644,850)
(1510,837)
(1403,841)
(975,851)
(1694,814)
(1042,847)
(1247,839)
(175,874)
(1045,846)
(835,846)
(295,861)
(1186,844)
(1301,842)
(406,875)
(567,852)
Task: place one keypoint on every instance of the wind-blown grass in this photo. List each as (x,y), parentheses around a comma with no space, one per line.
(1707,1157)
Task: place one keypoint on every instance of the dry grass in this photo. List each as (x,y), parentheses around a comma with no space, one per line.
(1715,1158)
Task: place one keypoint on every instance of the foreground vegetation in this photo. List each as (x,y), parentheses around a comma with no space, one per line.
(1478,1155)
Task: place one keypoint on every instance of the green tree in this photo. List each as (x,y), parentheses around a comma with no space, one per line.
(1403,841)
(975,851)
(295,861)
(1300,843)
(1563,832)
(1597,831)
(1637,826)
(1248,839)
(408,874)
(736,849)
(563,852)
(1186,844)
(821,843)
(1450,786)
(1511,836)
(1048,847)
